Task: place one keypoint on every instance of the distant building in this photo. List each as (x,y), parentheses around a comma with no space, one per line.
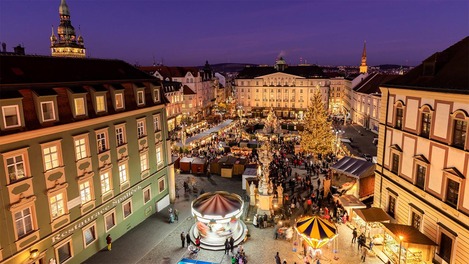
(363,66)
(423,152)
(287,89)
(18,50)
(83,151)
(366,101)
(66,43)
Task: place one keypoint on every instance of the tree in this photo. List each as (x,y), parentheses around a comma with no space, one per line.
(317,138)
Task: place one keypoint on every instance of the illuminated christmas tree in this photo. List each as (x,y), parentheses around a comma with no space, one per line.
(317,137)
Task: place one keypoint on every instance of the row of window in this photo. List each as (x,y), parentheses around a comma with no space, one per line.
(281,81)
(47,107)
(458,119)
(25,219)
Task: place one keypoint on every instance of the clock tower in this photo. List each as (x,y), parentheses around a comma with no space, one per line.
(66,43)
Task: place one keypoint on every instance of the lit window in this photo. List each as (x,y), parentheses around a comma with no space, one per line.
(426,124)
(80,148)
(100,103)
(140,98)
(85,192)
(23,222)
(158,156)
(47,110)
(101,140)
(120,135)
(64,252)
(89,235)
(143,162)
(57,205)
(11,116)
(459,133)
(123,173)
(15,168)
(399,117)
(127,208)
(157,95)
(51,157)
(391,206)
(452,193)
(141,128)
(420,177)
(110,220)
(105,182)
(416,220)
(79,106)
(119,101)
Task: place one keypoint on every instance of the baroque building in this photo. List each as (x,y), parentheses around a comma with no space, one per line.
(286,89)
(423,157)
(83,153)
(66,43)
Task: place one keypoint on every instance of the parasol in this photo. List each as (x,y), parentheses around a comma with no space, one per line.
(315,230)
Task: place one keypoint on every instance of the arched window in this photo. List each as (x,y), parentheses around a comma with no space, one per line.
(459,127)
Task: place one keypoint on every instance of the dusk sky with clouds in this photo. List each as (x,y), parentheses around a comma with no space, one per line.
(184,32)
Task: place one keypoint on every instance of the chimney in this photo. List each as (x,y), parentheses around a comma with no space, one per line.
(4,47)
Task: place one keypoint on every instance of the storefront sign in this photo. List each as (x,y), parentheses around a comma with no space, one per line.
(92,216)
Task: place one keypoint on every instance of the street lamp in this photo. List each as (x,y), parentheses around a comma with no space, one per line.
(400,248)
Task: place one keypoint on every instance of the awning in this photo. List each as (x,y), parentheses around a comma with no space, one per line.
(373,214)
(350,201)
(353,167)
(410,234)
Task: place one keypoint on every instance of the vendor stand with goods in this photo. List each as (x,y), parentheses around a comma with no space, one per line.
(368,221)
(407,244)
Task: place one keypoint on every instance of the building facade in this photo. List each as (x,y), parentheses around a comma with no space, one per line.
(286,89)
(66,43)
(423,157)
(82,155)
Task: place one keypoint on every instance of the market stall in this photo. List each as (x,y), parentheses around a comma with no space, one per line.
(369,221)
(185,164)
(349,202)
(239,166)
(354,176)
(407,243)
(199,166)
(249,173)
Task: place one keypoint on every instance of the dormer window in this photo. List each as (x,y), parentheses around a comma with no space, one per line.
(47,111)
(156,95)
(140,98)
(119,101)
(100,103)
(77,99)
(79,106)
(11,116)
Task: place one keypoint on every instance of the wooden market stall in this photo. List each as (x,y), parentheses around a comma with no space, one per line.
(248,174)
(369,221)
(175,159)
(349,202)
(199,166)
(185,164)
(354,176)
(239,166)
(408,243)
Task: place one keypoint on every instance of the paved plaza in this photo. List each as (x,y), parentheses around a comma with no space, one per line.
(157,241)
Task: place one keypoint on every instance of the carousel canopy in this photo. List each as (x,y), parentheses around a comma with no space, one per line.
(411,234)
(217,203)
(315,230)
(373,214)
(354,167)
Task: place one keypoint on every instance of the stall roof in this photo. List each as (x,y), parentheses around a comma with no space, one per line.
(207,133)
(199,161)
(250,172)
(354,167)
(186,159)
(373,214)
(411,234)
(349,200)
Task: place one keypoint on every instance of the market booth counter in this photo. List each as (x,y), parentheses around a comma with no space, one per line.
(407,243)
(239,166)
(199,166)
(349,202)
(185,164)
(369,221)
(226,166)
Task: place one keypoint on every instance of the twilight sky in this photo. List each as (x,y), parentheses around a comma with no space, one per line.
(188,32)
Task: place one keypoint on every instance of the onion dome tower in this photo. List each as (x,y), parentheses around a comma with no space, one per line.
(363,66)
(66,44)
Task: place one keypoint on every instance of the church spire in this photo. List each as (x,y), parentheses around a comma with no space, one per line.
(363,66)
(66,43)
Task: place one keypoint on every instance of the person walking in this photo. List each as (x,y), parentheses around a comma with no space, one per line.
(109,242)
(176,215)
(364,252)
(227,246)
(188,239)
(277,259)
(231,244)
(354,234)
(183,239)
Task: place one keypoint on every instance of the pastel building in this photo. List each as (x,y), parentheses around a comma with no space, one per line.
(83,153)
(423,157)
